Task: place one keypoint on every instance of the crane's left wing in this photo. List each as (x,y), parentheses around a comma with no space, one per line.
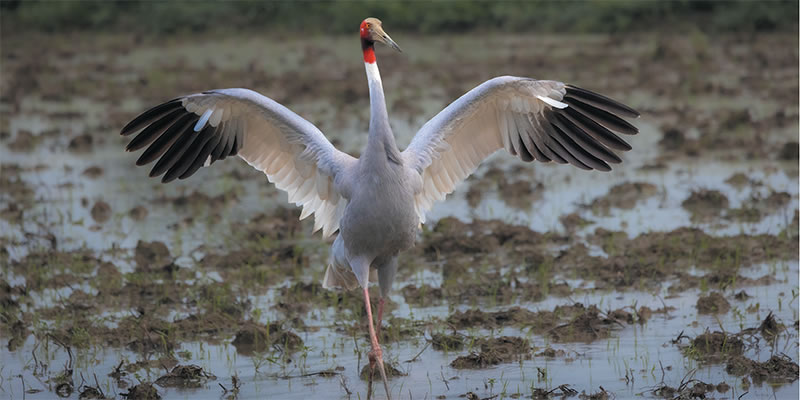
(531,119)
(192,131)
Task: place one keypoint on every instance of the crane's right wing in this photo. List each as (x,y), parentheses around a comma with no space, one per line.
(189,132)
(531,119)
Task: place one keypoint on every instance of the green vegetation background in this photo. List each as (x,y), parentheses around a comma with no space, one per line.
(314,17)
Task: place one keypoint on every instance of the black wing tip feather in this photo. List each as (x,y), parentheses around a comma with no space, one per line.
(602,116)
(168,136)
(580,134)
(609,104)
(148,116)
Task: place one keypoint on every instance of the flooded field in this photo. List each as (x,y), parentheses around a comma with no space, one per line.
(673,276)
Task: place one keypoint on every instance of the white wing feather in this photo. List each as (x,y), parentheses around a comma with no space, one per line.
(450,146)
(291,151)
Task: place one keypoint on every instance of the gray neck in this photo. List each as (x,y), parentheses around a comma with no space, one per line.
(381,146)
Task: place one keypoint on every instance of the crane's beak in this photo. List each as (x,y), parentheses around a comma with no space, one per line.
(385,39)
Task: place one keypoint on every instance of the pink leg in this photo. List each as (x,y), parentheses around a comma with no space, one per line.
(376,354)
(380,317)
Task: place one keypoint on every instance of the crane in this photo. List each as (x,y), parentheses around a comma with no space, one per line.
(377,202)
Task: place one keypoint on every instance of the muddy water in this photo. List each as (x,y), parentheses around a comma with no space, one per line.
(84,268)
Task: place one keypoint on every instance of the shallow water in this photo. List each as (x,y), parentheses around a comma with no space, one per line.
(638,352)
(627,364)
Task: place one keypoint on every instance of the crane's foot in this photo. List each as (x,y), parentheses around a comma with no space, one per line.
(375,355)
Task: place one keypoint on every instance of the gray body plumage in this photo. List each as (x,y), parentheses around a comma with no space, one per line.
(380,219)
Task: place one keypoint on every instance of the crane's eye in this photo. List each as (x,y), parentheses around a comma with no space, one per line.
(368,25)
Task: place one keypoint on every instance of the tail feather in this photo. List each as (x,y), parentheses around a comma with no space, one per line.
(340,278)
(339,275)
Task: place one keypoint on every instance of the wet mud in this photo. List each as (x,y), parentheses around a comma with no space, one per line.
(494,351)
(624,196)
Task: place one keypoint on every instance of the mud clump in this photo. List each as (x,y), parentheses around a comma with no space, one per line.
(738,180)
(481,319)
(624,196)
(185,376)
(91,393)
(476,360)
(517,193)
(494,351)
(506,346)
(257,264)
(423,296)
(585,324)
(572,222)
(653,258)
(474,194)
(716,346)
(550,352)
(282,224)
(101,212)
(789,151)
(451,236)
(758,207)
(138,213)
(55,269)
(81,144)
(699,390)
(93,172)
(301,297)
(777,199)
(368,373)
(164,362)
(396,329)
(741,295)
(147,334)
(255,338)
(18,332)
(586,327)
(770,327)
(696,391)
(497,289)
(714,303)
(24,142)
(153,257)
(622,315)
(211,324)
(776,370)
(142,391)
(672,139)
(705,204)
(520,194)
(198,199)
(13,185)
(443,342)
(643,314)
(601,395)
